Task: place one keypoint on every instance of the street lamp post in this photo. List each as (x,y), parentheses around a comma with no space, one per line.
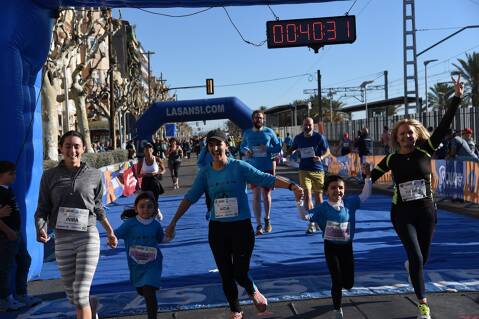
(425,78)
(364,86)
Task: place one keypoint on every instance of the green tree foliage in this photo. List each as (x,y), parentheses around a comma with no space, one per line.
(469,70)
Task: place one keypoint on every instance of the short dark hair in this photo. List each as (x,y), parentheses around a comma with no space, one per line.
(256,112)
(72,133)
(7,166)
(330,179)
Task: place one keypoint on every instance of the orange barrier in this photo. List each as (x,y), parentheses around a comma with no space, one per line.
(471,183)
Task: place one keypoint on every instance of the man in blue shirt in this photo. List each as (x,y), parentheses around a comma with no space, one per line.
(260,146)
(313,148)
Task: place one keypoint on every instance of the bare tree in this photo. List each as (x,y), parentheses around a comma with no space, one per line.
(78,47)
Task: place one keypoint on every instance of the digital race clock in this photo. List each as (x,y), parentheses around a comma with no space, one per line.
(313,33)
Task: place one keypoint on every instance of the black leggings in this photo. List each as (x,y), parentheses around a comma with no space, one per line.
(174,167)
(232,245)
(340,260)
(149,293)
(415,227)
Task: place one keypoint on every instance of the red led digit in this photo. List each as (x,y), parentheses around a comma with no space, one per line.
(347,29)
(278,33)
(317,31)
(332,30)
(291,33)
(304,29)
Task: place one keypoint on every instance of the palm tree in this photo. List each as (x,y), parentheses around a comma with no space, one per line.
(439,94)
(469,71)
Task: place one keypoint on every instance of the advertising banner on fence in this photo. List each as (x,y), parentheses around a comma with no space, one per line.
(386,178)
(347,166)
(471,182)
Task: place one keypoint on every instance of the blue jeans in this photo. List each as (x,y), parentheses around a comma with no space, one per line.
(14,267)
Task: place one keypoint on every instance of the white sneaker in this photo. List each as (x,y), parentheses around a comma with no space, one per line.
(29,301)
(311,228)
(159,215)
(10,304)
(406,265)
(339,313)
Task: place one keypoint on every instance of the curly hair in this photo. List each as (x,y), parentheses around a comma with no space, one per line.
(421,131)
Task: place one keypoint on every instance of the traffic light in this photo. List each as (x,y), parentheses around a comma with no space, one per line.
(210,88)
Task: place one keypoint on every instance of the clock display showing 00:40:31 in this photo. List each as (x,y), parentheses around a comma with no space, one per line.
(311,32)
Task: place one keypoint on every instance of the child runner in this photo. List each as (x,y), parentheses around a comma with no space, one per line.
(141,234)
(336,218)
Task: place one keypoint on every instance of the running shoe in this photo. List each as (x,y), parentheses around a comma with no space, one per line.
(10,304)
(311,228)
(260,301)
(267,225)
(159,215)
(424,312)
(259,230)
(236,315)
(29,301)
(338,313)
(406,265)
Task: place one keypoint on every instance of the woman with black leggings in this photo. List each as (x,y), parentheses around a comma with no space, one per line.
(413,211)
(230,233)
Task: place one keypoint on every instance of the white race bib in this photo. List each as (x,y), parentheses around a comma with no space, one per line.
(307,152)
(226,207)
(413,190)
(72,219)
(259,151)
(142,254)
(337,231)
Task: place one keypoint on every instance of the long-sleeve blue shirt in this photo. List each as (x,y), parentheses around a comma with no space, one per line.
(254,140)
(228,185)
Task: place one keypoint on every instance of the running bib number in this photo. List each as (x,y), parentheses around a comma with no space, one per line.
(259,151)
(142,254)
(307,152)
(226,207)
(72,219)
(337,231)
(413,190)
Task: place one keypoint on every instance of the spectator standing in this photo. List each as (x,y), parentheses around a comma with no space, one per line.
(385,138)
(345,145)
(13,250)
(364,144)
(461,149)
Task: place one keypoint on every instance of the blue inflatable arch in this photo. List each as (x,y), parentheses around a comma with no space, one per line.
(190,110)
(24,43)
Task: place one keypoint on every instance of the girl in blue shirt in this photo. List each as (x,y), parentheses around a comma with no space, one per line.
(337,219)
(230,232)
(141,234)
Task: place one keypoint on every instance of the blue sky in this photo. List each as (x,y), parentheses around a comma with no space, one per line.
(206,45)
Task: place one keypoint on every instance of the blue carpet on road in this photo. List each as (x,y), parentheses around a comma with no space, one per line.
(287,264)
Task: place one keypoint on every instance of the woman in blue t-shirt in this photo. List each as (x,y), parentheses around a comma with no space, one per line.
(231,236)
(337,219)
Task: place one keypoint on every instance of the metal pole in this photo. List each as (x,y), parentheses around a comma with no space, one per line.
(425,83)
(112,98)
(319,97)
(386,85)
(366,104)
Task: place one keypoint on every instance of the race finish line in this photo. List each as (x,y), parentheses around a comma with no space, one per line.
(287,264)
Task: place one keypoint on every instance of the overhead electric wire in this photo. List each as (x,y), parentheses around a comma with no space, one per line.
(274,14)
(172,15)
(347,12)
(239,32)
(264,81)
